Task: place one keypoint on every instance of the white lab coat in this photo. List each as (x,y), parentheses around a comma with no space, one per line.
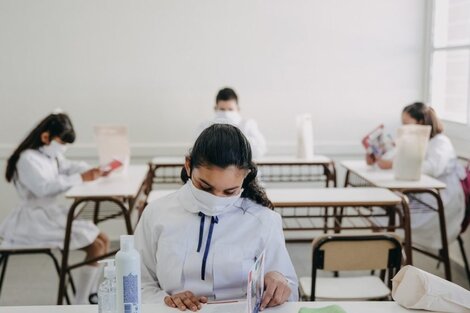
(167,238)
(440,162)
(249,128)
(39,220)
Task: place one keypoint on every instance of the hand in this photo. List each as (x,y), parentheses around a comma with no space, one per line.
(91,174)
(185,300)
(276,290)
(384,164)
(370,159)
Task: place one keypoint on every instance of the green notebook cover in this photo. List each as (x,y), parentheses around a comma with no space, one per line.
(326,309)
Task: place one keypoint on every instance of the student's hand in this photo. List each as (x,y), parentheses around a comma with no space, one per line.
(277,290)
(370,159)
(185,300)
(91,174)
(384,164)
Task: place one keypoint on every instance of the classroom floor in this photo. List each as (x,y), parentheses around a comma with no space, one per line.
(31,280)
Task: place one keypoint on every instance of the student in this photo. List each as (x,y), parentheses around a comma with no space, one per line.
(200,242)
(439,162)
(227,110)
(41,173)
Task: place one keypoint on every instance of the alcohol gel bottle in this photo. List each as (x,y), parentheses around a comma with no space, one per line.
(128,297)
(107,289)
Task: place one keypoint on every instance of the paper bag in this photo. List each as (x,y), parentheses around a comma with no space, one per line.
(416,289)
(113,144)
(411,143)
(304,136)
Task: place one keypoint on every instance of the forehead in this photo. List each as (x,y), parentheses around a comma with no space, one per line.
(220,177)
(227,104)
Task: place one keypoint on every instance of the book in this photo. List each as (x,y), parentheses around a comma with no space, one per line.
(377,143)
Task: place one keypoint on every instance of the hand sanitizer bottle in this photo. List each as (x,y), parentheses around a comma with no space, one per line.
(128,297)
(107,289)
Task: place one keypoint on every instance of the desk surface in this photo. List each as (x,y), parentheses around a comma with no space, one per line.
(332,197)
(386,179)
(292,307)
(115,185)
(268,160)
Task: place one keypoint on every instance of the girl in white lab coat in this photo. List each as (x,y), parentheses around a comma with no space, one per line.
(41,173)
(440,162)
(227,110)
(200,242)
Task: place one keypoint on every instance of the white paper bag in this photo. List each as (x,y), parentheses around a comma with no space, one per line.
(113,143)
(411,143)
(416,289)
(304,136)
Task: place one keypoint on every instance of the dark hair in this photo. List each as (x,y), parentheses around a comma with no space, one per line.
(58,125)
(226,94)
(425,115)
(224,145)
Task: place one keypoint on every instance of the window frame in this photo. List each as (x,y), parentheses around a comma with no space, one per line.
(454,129)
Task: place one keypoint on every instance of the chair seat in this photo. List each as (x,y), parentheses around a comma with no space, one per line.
(345,288)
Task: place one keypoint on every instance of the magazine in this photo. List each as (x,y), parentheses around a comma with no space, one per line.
(377,143)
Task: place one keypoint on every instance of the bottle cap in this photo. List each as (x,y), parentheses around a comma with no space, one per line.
(109,269)
(127,242)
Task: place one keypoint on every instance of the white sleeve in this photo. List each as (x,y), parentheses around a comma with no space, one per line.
(33,176)
(278,259)
(146,239)
(256,139)
(437,159)
(68,167)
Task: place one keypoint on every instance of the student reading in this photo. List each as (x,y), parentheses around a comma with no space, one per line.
(440,162)
(227,111)
(200,242)
(41,173)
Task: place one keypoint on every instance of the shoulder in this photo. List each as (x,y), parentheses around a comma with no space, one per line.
(163,205)
(441,141)
(30,156)
(264,214)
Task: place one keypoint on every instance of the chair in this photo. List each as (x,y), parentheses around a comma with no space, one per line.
(6,252)
(352,253)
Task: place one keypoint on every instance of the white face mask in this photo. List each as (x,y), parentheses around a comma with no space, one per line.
(209,204)
(54,149)
(233,117)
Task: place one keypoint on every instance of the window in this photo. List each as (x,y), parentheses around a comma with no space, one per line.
(449,79)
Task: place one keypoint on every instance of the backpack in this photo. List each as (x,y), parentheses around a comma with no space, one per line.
(466,190)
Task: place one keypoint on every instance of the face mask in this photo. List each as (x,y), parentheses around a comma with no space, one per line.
(231,116)
(54,149)
(209,204)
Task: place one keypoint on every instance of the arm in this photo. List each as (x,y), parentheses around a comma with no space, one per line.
(256,139)
(68,167)
(33,175)
(278,259)
(146,240)
(436,160)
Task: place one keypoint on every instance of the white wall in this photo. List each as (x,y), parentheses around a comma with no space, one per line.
(157,65)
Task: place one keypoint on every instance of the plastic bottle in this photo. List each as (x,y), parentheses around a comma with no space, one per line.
(107,289)
(128,297)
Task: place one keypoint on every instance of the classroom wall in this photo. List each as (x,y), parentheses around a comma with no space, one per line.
(157,65)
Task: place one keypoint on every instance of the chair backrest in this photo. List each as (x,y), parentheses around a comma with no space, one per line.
(465,182)
(380,251)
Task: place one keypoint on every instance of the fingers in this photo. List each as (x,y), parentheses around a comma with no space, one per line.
(185,300)
(169,301)
(281,295)
(268,293)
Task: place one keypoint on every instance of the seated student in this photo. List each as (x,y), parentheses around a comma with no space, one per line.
(440,162)
(41,173)
(200,242)
(227,111)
